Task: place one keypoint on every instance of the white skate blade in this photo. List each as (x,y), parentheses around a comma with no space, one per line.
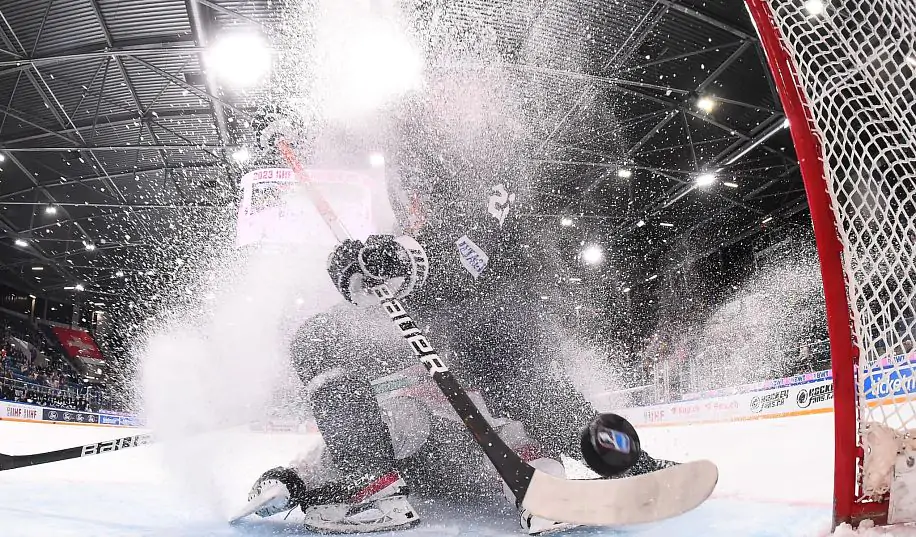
(261,501)
(622,502)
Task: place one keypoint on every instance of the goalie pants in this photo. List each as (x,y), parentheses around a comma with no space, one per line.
(506,349)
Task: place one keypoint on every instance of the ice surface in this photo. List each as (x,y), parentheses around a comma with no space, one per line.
(775,482)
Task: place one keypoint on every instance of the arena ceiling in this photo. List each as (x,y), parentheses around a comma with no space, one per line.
(111,131)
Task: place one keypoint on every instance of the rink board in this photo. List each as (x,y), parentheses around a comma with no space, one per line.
(775,480)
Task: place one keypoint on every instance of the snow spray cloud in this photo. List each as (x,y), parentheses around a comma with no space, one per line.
(213,356)
(753,335)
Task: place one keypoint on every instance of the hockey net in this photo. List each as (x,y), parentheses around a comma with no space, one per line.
(846,74)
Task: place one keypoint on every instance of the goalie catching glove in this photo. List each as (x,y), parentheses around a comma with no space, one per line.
(399,262)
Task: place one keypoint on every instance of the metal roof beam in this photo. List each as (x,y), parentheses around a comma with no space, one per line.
(732,58)
(194,89)
(51,199)
(226,11)
(155,147)
(680,56)
(708,19)
(652,132)
(638,39)
(116,175)
(113,121)
(116,50)
(35,250)
(196,17)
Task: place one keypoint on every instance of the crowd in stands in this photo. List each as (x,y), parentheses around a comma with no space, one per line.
(35,373)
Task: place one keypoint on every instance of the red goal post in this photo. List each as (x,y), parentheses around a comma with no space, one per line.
(845,71)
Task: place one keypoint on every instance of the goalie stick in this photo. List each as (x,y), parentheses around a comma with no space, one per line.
(11,462)
(600,502)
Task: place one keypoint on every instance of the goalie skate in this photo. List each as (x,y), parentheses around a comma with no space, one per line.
(381,506)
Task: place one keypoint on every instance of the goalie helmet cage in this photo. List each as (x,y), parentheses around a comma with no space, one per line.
(845,71)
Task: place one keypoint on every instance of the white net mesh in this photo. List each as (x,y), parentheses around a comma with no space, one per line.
(856,62)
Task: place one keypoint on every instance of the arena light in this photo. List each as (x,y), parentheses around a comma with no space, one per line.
(626,289)
(592,255)
(566,221)
(729,184)
(79,287)
(37,268)
(666,224)
(624,173)
(21,243)
(89,246)
(641,223)
(815,7)
(241,155)
(377,160)
(706,104)
(2,157)
(51,210)
(705,179)
(239,59)
(767,220)
(119,274)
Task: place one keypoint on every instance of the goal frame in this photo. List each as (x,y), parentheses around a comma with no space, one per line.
(848,505)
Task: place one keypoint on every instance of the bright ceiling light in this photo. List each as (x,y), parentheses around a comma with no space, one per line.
(89,246)
(119,274)
(729,184)
(50,209)
(815,7)
(666,224)
(592,255)
(641,223)
(79,287)
(38,268)
(241,155)
(626,289)
(706,104)
(705,179)
(624,173)
(767,219)
(2,157)
(377,160)
(566,221)
(22,243)
(239,59)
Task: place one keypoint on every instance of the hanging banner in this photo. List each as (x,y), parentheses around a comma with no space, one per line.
(276,209)
(78,344)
